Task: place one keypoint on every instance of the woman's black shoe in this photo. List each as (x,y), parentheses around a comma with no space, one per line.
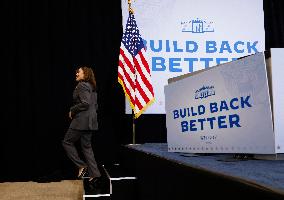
(94,181)
(93,185)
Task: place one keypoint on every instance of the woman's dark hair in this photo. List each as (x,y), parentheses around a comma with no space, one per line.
(89,76)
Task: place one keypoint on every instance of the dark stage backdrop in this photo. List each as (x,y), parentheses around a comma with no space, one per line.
(44,41)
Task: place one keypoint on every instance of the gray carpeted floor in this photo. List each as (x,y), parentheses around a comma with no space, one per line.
(64,190)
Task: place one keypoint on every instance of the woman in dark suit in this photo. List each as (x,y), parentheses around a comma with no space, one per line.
(84,122)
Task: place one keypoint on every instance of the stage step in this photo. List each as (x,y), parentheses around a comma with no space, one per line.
(123,184)
(101,191)
(116,183)
(96,196)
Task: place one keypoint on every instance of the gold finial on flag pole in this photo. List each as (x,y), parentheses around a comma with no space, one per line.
(129,7)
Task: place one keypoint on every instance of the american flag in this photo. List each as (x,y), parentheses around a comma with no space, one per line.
(133,71)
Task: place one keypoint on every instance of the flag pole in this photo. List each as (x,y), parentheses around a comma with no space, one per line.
(133,114)
(137,68)
(133,129)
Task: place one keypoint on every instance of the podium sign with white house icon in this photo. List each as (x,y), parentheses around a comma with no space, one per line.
(225,109)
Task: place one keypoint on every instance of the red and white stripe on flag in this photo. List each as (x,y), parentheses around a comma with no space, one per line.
(133,70)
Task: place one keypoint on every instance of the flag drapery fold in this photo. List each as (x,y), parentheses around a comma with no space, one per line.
(134,73)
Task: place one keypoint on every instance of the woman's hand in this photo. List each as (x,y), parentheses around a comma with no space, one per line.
(70,115)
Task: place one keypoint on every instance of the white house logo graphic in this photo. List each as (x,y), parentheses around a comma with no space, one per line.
(204,92)
(197,26)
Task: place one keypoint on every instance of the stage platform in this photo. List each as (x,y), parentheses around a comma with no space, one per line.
(165,175)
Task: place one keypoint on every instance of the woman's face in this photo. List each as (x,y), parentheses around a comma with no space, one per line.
(80,75)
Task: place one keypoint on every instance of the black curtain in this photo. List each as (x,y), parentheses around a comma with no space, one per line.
(274,23)
(46,41)
(43,42)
